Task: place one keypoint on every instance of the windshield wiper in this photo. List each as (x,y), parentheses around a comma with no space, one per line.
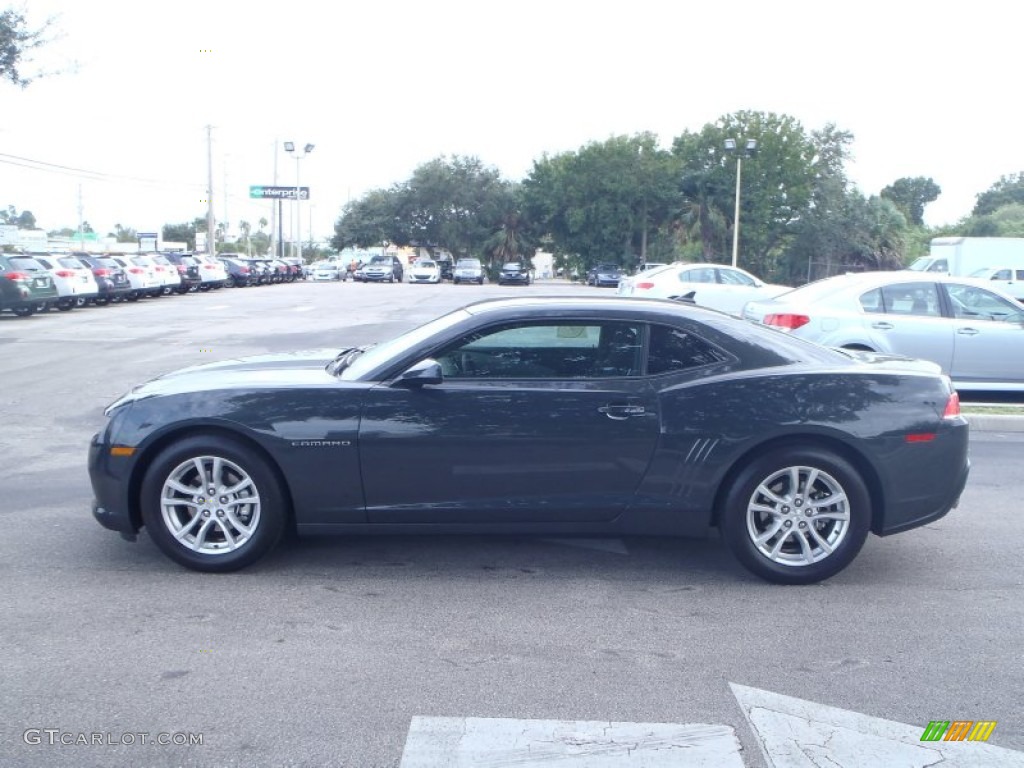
(345,358)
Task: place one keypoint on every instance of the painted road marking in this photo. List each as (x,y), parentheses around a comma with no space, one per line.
(479,742)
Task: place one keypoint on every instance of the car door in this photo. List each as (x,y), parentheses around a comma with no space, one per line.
(911,322)
(545,422)
(988,336)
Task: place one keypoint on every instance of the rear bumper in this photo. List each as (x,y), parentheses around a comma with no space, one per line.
(925,490)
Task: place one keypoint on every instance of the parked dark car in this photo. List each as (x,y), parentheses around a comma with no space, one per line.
(240,274)
(110,277)
(604,417)
(447,268)
(188,269)
(25,292)
(514,273)
(604,275)
(283,270)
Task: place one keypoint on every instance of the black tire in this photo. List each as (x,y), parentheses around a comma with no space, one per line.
(101,301)
(66,305)
(133,296)
(25,310)
(800,517)
(237,459)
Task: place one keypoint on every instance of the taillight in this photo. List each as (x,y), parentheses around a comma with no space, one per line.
(64,273)
(787,322)
(952,407)
(644,286)
(16,276)
(100,272)
(136,270)
(244,270)
(182,269)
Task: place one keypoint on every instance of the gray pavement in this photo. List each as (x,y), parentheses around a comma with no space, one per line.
(345,652)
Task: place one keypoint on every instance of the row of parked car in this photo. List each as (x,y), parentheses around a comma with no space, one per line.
(38,282)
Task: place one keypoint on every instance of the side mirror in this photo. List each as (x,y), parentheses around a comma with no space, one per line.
(424,372)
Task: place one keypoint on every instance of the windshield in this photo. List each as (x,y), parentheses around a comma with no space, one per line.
(24,262)
(425,265)
(379,355)
(468,263)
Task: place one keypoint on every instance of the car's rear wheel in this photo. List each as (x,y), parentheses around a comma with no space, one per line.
(797,515)
(213,504)
(25,310)
(65,305)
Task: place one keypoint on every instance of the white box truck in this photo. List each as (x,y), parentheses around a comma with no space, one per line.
(996,259)
(961,256)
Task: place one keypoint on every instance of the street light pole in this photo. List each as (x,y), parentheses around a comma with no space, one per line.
(749,149)
(290,147)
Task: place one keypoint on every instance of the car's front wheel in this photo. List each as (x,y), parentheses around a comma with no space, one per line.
(796,515)
(24,310)
(213,504)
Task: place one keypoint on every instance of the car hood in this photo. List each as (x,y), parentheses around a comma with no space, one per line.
(286,369)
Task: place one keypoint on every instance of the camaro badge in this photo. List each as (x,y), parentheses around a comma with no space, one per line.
(320,443)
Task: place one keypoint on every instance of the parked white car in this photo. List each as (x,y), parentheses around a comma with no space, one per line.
(1007,279)
(74,280)
(142,276)
(976,334)
(425,271)
(715,286)
(167,274)
(328,270)
(212,272)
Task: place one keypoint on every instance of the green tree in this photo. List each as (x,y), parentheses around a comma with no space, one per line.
(184,232)
(1007,191)
(911,195)
(776,186)
(124,234)
(22,220)
(17,42)
(604,202)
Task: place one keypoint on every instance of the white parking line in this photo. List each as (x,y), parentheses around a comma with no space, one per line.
(477,742)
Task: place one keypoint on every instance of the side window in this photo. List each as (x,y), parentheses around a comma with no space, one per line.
(732,277)
(872,301)
(704,275)
(673,349)
(1002,274)
(971,302)
(921,299)
(570,350)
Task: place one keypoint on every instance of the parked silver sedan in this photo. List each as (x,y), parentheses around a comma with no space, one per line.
(975,333)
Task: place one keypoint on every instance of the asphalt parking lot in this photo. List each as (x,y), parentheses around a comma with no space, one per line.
(347,652)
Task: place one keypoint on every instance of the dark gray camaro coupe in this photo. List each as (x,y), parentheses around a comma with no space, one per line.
(551,416)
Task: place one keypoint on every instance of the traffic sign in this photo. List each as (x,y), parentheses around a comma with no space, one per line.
(278,193)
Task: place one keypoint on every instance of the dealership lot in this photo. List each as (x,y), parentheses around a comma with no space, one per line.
(326,652)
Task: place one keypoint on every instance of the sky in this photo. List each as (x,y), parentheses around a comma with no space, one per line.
(926,88)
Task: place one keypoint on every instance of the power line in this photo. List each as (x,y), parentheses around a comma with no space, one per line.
(40,165)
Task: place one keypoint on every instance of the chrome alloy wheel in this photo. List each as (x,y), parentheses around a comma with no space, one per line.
(210,505)
(798,515)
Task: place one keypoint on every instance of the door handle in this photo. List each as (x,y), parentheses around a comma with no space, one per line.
(968,331)
(882,326)
(621,411)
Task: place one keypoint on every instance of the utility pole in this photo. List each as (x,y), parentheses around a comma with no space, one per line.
(211,221)
(81,232)
(272,251)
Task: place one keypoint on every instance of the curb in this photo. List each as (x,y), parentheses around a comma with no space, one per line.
(981,422)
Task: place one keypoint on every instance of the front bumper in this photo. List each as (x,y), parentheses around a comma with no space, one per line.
(110,503)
